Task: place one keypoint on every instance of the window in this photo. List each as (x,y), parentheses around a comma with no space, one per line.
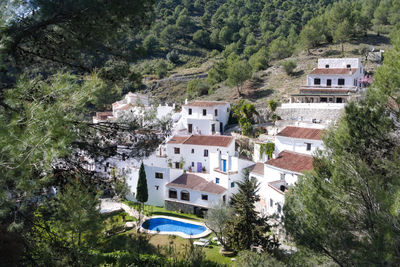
(192,150)
(185,195)
(205,152)
(308,146)
(213,128)
(271,202)
(172,193)
(204,197)
(204,112)
(279,208)
(159,175)
(233,184)
(216,112)
(326,66)
(224,198)
(190,111)
(176,165)
(317,81)
(190,128)
(348,66)
(282,176)
(340,81)
(177,150)
(157,187)
(217,180)
(192,164)
(227,110)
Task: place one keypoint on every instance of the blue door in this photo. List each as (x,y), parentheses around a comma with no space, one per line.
(224,165)
(199,167)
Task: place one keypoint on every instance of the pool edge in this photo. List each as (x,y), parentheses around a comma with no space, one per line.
(183,235)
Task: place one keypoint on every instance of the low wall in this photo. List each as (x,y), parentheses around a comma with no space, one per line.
(308,112)
(177,206)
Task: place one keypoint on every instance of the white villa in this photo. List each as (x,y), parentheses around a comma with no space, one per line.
(203,117)
(335,80)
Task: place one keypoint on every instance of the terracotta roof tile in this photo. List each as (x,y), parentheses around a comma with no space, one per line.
(206,103)
(197,183)
(258,168)
(209,140)
(338,71)
(301,132)
(177,139)
(292,161)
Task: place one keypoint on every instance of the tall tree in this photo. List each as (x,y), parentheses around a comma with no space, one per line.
(247,227)
(348,207)
(238,72)
(142,194)
(217,219)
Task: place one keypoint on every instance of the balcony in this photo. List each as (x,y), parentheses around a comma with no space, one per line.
(225,172)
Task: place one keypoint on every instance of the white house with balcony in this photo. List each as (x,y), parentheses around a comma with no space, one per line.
(192,152)
(335,80)
(203,117)
(299,139)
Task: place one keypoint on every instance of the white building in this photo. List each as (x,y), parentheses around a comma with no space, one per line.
(299,139)
(192,152)
(203,117)
(276,176)
(134,105)
(191,193)
(335,80)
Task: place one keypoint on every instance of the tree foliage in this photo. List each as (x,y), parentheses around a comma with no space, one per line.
(248,227)
(142,194)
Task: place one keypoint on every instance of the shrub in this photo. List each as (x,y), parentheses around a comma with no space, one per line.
(196,88)
(289,66)
(173,56)
(161,69)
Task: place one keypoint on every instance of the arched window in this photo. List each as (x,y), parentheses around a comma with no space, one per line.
(185,195)
(172,193)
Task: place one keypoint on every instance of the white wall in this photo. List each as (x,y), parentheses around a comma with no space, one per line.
(197,156)
(339,62)
(203,123)
(195,197)
(296,145)
(349,80)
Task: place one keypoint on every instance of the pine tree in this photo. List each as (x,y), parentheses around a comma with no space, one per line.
(247,227)
(142,194)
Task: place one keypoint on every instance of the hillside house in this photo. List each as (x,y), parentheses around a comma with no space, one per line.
(203,117)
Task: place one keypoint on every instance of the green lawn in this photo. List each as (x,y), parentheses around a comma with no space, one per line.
(153,244)
(212,252)
(153,211)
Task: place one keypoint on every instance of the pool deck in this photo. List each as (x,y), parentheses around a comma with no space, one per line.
(183,235)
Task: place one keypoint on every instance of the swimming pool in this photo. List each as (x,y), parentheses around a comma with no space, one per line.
(168,225)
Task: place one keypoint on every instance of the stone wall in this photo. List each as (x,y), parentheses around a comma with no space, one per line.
(308,114)
(177,206)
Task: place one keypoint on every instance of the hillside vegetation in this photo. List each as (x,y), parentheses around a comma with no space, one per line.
(204,39)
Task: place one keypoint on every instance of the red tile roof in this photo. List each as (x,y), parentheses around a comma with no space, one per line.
(292,161)
(203,140)
(177,139)
(206,103)
(300,132)
(197,183)
(258,168)
(338,71)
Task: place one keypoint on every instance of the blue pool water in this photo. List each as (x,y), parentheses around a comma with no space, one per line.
(168,225)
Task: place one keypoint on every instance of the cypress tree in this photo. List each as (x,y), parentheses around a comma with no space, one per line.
(142,194)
